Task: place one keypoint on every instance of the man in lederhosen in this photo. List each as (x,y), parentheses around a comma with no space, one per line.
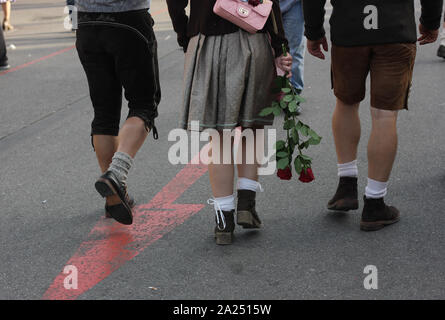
(376,37)
(117,48)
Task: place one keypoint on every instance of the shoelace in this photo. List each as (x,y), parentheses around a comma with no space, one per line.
(219,214)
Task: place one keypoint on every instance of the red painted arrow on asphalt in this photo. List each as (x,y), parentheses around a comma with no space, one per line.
(110,244)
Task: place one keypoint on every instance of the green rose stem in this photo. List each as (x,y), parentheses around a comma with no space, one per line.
(288,104)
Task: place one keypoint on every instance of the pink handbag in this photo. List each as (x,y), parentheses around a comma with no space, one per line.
(240,12)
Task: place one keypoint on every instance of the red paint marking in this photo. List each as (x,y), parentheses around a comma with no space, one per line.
(110,244)
(37,60)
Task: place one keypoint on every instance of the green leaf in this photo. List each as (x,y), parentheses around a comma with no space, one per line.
(292,106)
(289,124)
(266,111)
(300,99)
(276,111)
(283,163)
(283,104)
(288,98)
(305,157)
(282,154)
(292,144)
(280,145)
(304,130)
(298,165)
(295,137)
(314,142)
(313,134)
(286,90)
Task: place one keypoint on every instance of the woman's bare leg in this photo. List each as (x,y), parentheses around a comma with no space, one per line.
(221,175)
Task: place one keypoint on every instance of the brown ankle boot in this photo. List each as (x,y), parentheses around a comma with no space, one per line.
(247,217)
(346,197)
(225,227)
(376,215)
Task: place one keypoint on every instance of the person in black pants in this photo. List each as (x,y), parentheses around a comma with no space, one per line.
(117,48)
(3,57)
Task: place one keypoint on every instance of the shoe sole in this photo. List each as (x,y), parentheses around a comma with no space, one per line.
(108,216)
(344,205)
(224,238)
(377,225)
(106,189)
(247,221)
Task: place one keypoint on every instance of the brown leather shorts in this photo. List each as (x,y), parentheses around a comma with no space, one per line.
(391,67)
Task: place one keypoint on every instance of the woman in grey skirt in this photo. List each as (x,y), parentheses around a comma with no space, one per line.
(228,79)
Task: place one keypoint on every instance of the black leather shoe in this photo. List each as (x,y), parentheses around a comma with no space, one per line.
(224,230)
(346,197)
(247,217)
(108,185)
(131,202)
(377,215)
(441,52)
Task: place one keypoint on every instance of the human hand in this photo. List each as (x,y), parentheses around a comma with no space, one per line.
(314,47)
(427,36)
(284,62)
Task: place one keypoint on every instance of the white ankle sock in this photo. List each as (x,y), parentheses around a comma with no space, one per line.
(349,169)
(376,189)
(224,203)
(248,184)
(442,41)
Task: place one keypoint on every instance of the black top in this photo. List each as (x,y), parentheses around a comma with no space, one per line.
(203,20)
(368,22)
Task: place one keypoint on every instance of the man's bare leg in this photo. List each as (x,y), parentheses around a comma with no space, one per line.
(382,146)
(105,147)
(347,131)
(382,150)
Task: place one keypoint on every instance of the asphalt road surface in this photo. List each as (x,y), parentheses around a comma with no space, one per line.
(51,215)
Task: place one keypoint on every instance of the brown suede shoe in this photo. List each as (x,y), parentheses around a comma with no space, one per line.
(247,217)
(224,231)
(346,197)
(377,215)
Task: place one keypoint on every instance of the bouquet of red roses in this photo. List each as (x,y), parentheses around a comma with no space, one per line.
(299,135)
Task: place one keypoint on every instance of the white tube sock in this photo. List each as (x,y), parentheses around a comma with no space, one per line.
(376,189)
(349,169)
(248,184)
(224,203)
(220,205)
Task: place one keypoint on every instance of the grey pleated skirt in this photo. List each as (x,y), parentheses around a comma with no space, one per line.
(227,81)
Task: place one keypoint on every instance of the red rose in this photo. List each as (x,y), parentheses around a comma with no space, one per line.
(284,174)
(307,176)
(255,2)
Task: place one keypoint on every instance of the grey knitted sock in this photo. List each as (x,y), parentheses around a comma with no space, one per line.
(120,166)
